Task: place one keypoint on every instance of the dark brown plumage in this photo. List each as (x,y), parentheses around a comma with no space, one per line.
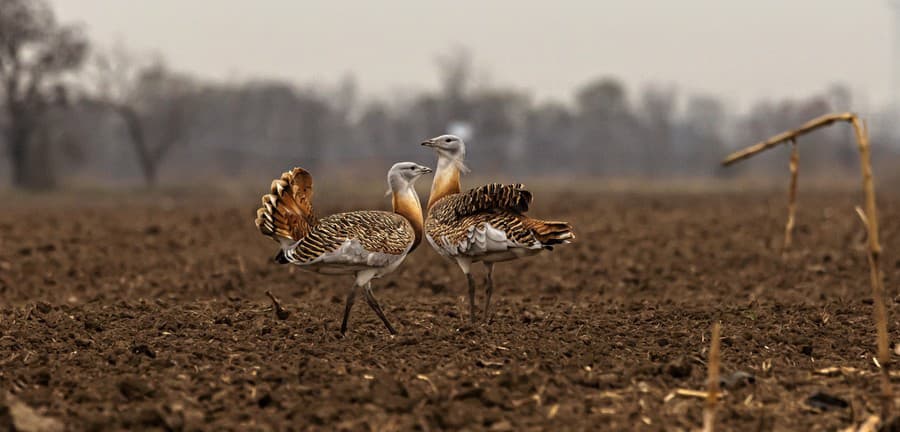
(493,196)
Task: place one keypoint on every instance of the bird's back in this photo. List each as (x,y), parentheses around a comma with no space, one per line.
(369,237)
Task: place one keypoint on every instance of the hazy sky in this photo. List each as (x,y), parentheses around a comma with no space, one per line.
(741,50)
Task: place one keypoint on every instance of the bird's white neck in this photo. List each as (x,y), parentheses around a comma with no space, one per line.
(446,180)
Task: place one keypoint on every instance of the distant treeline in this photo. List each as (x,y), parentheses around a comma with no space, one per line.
(76,112)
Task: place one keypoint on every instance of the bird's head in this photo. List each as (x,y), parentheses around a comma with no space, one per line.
(405,174)
(450,147)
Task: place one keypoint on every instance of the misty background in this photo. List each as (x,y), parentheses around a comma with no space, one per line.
(99,93)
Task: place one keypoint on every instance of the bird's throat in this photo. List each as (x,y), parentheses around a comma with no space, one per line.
(406,203)
(446,181)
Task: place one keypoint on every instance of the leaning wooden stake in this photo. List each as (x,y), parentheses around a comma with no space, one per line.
(712,377)
(792,196)
(880,314)
(870,217)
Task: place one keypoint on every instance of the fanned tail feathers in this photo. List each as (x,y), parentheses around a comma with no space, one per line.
(286,214)
(551,233)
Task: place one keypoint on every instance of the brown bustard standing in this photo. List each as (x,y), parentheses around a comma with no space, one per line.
(368,244)
(485,224)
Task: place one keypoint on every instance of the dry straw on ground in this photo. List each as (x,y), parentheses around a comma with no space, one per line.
(869,217)
(712,392)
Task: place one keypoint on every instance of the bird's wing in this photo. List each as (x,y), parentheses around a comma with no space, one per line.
(492,197)
(286,214)
(490,219)
(480,221)
(361,238)
(483,234)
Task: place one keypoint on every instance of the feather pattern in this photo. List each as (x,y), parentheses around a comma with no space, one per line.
(493,196)
(374,231)
(286,213)
(367,238)
(489,221)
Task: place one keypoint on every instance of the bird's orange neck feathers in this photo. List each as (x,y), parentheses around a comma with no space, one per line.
(446,181)
(406,203)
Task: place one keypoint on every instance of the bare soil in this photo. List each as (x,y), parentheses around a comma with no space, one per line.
(153,315)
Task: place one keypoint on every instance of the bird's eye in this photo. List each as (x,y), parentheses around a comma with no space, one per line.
(447,140)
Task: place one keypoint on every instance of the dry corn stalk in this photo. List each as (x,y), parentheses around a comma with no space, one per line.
(712,391)
(792,196)
(870,219)
(880,313)
(807,127)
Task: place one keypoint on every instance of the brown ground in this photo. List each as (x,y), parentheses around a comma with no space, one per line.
(154,317)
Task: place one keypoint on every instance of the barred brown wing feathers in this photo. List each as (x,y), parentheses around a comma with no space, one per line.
(376,231)
(501,206)
(514,227)
(444,223)
(493,196)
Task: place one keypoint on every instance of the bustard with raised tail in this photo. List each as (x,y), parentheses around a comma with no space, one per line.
(368,244)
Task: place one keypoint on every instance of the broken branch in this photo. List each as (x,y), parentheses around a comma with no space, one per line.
(280,313)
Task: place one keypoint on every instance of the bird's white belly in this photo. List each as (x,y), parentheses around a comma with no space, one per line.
(391,267)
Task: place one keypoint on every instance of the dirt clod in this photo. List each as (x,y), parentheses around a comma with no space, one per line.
(826,402)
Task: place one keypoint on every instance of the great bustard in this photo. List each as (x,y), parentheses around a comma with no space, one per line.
(485,224)
(368,243)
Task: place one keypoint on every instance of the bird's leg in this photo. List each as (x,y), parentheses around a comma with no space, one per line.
(471,280)
(488,289)
(465,265)
(351,296)
(374,305)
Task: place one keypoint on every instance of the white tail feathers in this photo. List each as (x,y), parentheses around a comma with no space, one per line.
(286,214)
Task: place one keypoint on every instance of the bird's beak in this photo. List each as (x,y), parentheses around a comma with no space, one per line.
(425,170)
(429,143)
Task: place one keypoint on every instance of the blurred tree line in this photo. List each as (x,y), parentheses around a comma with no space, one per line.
(102,114)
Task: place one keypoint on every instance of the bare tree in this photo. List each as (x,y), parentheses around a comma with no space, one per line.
(658,106)
(456,71)
(36,53)
(151,100)
(705,120)
(606,128)
(500,117)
